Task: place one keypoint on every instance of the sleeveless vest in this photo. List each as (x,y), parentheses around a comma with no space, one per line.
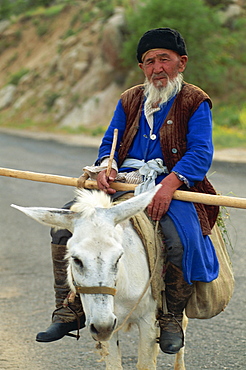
(172,138)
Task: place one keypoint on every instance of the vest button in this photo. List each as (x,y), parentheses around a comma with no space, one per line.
(169,122)
(174,150)
(153,137)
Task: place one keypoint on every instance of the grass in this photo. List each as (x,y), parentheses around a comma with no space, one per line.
(51,11)
(223,137)
(229,129)
(228,137)
(15,77)
(96,131)
(229,125)
(17,120)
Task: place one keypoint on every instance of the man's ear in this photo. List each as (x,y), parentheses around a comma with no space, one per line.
(182,63)
(141,66)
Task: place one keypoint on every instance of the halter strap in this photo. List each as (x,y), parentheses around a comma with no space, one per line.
(95,290)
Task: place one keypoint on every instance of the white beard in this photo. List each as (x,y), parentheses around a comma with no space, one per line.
(160,95)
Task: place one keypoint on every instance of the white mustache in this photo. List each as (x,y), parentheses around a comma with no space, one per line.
(162,94)
(161,74)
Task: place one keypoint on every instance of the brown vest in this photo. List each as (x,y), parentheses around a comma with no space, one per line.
(172,138)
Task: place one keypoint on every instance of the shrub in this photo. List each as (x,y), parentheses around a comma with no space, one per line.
(197,23)
(5,9)
(15,77)
(42,28)
(50,99)
(68,33)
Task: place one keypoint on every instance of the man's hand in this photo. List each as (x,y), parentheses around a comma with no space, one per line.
(161,201)
(103,181)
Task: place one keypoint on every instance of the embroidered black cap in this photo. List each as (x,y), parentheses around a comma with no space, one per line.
(161,38)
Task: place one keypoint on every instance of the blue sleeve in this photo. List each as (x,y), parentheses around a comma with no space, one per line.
(118,121)
(198,157)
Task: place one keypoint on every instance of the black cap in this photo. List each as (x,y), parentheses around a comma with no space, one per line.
(161,38)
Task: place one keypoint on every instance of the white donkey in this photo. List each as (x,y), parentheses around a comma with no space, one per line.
(107,265)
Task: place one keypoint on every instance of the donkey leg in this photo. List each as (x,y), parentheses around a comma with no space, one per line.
(147,348)
(179,363)
(112,356)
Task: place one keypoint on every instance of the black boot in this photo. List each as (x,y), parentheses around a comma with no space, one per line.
(58,330)
(64,319)
(177,294)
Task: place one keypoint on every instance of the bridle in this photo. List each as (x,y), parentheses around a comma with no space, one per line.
(94,290)
(112,291)
(84,290)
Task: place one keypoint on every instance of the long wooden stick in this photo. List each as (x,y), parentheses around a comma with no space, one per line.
(42,177)
(111,157)
(185,196)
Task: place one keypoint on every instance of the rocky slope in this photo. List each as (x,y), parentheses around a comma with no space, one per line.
(72,81)
(64,69)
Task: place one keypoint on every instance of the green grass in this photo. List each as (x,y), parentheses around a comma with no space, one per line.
(51,11)
(223,137)
(224,134)
(229,124)
(228,137)
(15,77)
(96,131)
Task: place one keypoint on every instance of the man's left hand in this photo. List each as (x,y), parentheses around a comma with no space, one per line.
(103,182)
(161,201)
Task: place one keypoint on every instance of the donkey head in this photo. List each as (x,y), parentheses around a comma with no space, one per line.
(94,250)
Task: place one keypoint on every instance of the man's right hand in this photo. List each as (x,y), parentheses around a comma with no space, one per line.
(103,182)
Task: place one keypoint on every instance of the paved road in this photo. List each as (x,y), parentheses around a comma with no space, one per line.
(26,299)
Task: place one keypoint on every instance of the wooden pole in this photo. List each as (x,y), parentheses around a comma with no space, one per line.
(42,177)
(185,196)
(111,157)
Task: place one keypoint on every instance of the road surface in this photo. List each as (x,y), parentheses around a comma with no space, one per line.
(26,280)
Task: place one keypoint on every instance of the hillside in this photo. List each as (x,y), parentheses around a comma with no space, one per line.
(61,69)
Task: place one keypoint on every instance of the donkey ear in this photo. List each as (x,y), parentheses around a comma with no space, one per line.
(130,207)
(61,218)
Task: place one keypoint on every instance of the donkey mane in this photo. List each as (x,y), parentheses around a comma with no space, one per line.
(87,201)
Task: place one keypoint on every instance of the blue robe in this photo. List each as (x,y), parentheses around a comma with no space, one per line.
(199,259)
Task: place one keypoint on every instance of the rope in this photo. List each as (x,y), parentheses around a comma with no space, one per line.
(81,180)
(148,283)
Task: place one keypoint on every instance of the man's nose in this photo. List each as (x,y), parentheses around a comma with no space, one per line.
(158,67)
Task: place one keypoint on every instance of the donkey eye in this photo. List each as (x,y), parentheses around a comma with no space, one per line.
(78,262)
(116,264)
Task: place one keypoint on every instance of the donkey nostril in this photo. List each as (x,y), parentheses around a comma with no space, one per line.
(115,322)
(93,329)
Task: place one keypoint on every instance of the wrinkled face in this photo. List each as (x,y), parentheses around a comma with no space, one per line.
(160,64)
